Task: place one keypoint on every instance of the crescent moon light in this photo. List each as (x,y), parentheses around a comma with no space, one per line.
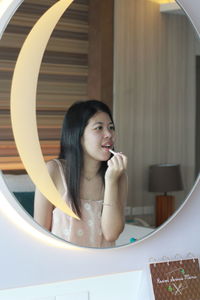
(23,104)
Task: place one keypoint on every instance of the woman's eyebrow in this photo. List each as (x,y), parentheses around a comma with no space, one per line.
(99,122)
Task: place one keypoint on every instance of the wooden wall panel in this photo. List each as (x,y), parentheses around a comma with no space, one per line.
(63,75)
(65,72)
(100,60)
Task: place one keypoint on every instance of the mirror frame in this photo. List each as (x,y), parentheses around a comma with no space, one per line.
(9,11)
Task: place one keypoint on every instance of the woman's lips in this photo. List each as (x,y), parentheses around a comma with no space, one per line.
(107,147)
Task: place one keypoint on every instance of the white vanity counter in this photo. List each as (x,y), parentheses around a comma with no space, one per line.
(133,231)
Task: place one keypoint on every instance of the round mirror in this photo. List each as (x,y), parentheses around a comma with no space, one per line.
(155,65)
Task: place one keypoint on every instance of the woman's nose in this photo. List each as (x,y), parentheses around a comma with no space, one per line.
(108,133)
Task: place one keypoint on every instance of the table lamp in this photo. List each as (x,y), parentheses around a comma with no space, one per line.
(164,178)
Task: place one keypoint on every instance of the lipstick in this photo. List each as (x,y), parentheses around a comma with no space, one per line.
(113,152)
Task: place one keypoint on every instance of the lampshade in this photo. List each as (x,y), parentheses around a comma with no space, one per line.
(165,178)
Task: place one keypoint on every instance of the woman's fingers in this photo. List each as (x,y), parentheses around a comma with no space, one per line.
(116,166)
(119,161)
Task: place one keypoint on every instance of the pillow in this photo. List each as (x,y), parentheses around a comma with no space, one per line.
(19,182)
(26,199)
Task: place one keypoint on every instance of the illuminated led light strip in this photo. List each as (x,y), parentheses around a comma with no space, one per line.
(8,205)
(163,1)
(23,104)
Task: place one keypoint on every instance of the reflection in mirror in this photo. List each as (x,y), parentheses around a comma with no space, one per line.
(153,101)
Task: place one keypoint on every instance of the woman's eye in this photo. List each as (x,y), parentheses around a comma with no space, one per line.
(98,128)
(112,127)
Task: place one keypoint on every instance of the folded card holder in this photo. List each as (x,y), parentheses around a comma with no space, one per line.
(176,279)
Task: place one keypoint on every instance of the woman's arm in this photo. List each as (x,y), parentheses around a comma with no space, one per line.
(42,207)
(42,210)
(115,196)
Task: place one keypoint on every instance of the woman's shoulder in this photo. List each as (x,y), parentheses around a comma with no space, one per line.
(54,166)
(56,172)
(55,162)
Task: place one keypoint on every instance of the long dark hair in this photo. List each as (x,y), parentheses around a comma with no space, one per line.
(74,123)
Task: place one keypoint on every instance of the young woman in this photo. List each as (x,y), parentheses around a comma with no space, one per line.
(92,181)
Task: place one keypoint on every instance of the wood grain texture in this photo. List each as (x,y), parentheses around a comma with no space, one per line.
(100,60)
(154,93)
(164,208)
(63,77)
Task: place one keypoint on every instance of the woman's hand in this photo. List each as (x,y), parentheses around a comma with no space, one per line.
(116,166)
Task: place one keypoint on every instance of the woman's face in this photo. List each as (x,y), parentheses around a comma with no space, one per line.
(98,137)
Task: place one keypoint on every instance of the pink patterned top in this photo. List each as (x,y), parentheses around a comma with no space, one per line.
(86,232)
